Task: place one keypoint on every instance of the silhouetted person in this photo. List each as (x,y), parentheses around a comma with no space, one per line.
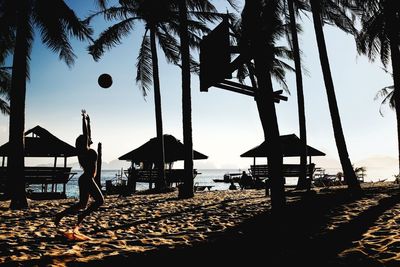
(245,180)
(87,158)
(232,186)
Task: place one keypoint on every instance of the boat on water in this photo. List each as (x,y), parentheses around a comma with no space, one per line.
(228,177)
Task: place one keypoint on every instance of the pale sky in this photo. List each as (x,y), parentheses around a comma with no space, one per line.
(225,124)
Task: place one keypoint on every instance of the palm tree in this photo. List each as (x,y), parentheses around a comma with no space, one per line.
(261,28)
(163,23)
(187,189)
(360,172)
(293,40)
(56,22)
(190,11)
(380,36)
(330,10)
(156,16)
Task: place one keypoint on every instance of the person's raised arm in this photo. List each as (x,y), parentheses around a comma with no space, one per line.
(88,130)
(84,127)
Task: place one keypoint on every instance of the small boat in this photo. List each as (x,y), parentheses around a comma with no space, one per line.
(228,177)
(199,187)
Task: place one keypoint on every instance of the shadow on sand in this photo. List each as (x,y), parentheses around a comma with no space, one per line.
(302,236)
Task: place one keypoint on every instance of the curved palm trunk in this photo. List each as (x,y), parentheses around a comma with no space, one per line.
(267,113)
(16,178)
(349,175)
(263,56)
(302,182)
(161,181)
(186,191)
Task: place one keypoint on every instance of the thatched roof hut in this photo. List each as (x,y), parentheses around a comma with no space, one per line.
(291,147)
(41,143)
(174,151)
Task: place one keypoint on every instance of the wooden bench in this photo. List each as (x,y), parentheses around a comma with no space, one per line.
(289,170)
(150,176)
(43,176)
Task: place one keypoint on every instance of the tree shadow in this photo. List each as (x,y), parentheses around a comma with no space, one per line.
(301,236)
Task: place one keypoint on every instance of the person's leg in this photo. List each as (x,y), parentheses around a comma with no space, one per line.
(95,192)
(83,200)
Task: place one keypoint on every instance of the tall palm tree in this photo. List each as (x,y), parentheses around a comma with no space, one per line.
(293,6)
(187,189)
(155,15)
(380,36)
(332,11)
(163,23)
(201,10)
(56,23)
(261,28)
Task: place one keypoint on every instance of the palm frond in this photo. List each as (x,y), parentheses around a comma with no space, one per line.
(56,11)
(111,37)
(144,65)
(5,81)
(56,23)
(242,73)
(113,13)
(169,45)
(4,107)
(102,3)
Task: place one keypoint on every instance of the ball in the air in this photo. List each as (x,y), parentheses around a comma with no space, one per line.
(105,80)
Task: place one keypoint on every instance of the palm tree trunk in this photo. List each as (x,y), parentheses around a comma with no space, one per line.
(263,56)
(161,183)
(15,163)
(302,182)
(267,113)
(186,191)
(349,175)
(391,21)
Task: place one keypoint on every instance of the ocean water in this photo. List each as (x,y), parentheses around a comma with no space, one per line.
(204,177)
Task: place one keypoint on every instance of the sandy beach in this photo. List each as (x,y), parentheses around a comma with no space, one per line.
(327,227)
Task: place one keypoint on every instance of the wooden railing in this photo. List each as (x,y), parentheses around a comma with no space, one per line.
(42,175)
(289,170)
(150,176)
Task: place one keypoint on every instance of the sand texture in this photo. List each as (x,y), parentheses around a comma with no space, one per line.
(327,227)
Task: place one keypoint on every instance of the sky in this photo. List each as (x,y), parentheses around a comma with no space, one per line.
(225,124)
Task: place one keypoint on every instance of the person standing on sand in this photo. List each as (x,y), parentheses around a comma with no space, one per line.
(87,158)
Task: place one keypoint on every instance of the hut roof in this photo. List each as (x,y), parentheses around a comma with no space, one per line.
(291,147)
(41,143)
(174,151)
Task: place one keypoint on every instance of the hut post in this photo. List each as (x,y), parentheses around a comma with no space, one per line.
(131,179)
(54,175)
(99,160)
(65,184)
